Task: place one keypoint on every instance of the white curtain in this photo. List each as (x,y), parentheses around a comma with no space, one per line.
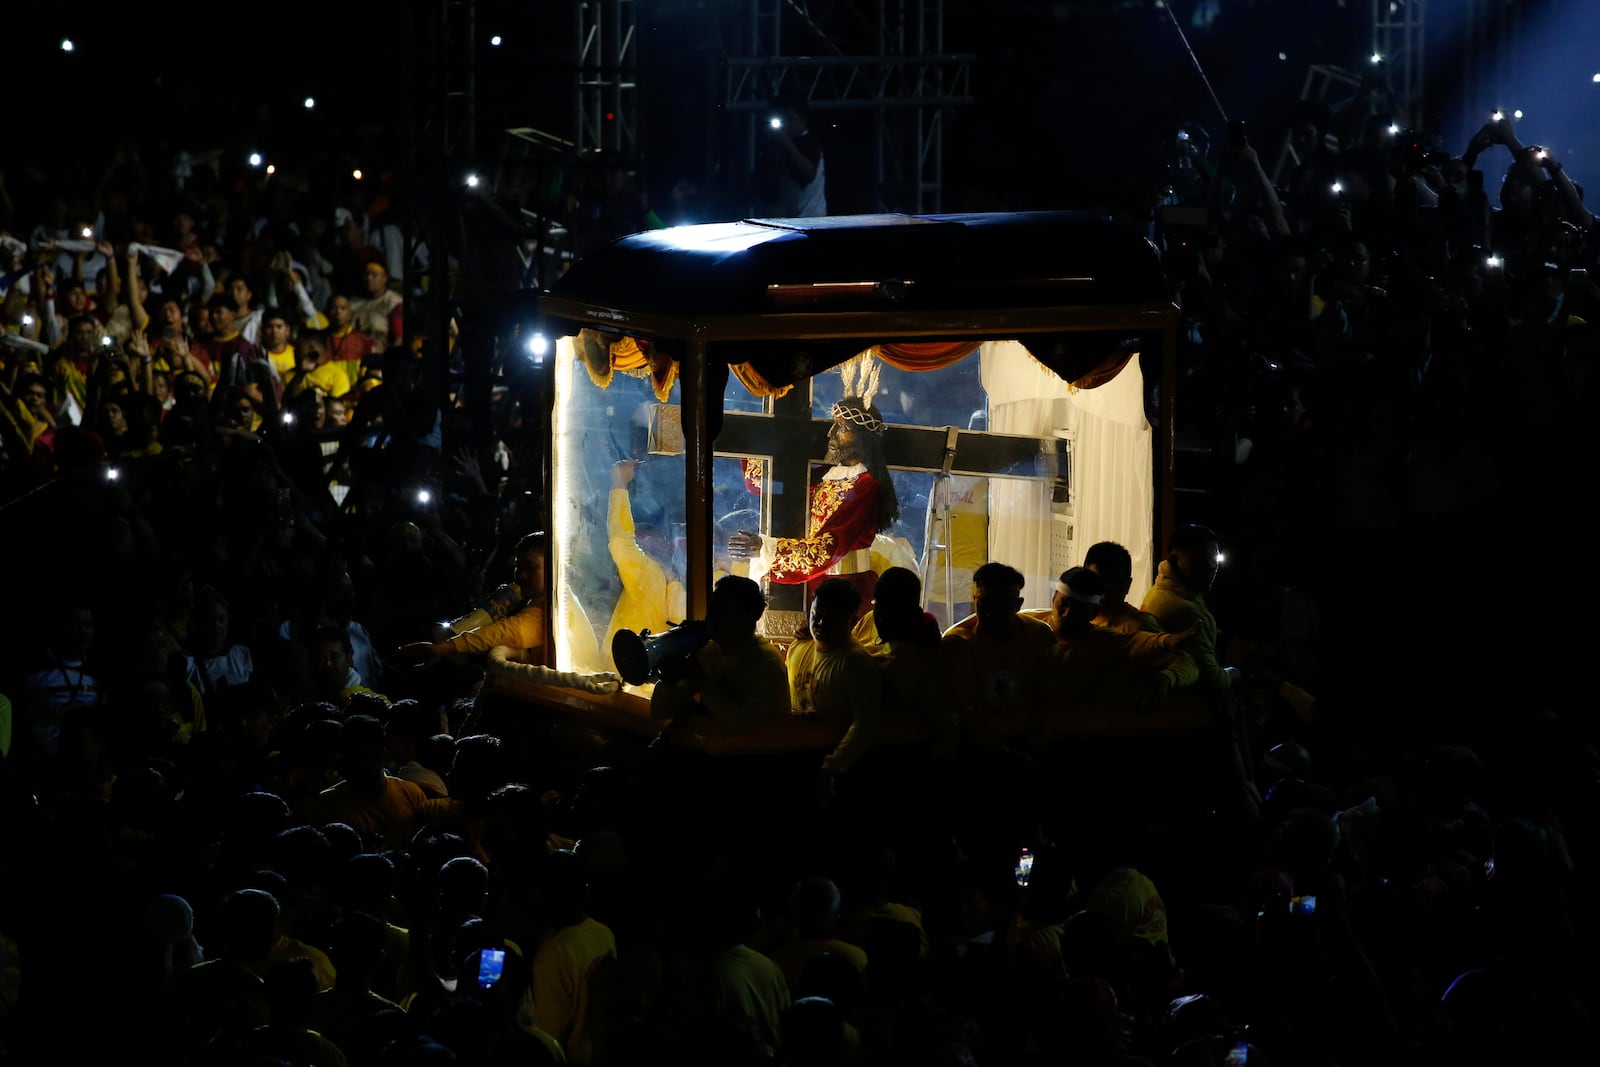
(1113,490)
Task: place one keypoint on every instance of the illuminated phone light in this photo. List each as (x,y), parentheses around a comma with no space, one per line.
(775,123)
(1337,187)
(538,345)
(1498,115)
(1596,79)
(1222,557)
(271,169)
(1517,114)
(1377,57)
(27,320)
(288,418)
(1394,128)
(1493,262)
(311,102)
(67,46)
(356,174)
(495,40)
(472,181)
(113,473)
(255,159)
(423,496)
(87,232)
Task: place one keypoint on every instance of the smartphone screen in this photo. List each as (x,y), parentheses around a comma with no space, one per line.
(1306,905)
(491,961)
(1024,868)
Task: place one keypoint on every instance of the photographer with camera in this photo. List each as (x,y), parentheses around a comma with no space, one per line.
(737,677)
(793,175)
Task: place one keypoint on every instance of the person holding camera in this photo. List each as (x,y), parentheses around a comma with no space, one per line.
(737,679)
(794,175)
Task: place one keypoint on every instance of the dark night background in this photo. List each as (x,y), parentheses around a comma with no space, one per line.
(1072,99)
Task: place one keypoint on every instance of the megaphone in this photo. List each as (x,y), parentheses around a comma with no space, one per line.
(643,656)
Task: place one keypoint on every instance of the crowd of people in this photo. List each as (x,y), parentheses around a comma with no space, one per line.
(242,828)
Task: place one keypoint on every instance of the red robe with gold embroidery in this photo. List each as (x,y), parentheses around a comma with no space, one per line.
(843,519)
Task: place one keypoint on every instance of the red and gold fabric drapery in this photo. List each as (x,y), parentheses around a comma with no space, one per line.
(603,356)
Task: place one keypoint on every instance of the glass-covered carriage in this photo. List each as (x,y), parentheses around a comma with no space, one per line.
(1019,367)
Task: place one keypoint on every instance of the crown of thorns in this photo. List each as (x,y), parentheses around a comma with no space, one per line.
(860,416)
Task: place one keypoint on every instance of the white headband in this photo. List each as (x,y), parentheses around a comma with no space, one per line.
(1066,591)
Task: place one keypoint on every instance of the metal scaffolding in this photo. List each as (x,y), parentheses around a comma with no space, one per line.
(1399,42)
(907,81)
(896,69)
(606,65)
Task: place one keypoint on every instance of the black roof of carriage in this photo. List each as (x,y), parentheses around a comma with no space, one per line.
(870,262)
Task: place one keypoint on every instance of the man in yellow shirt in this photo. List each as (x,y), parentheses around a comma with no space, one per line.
(577,954)
(275,342)
(1114,565)
(1100,666)
(999,658)
(311,368)
(835,679)
(1178,602)
(650,598)
(515,619)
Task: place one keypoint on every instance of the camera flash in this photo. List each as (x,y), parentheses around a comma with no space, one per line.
(288,418)
(311,102)
(1517,114)
(495,40)
(1492,262)
(356,174)
(105,342)
(1498,115)
(27,320)
(67,46)
(423,496)
(255,159)
(1541,153)
(1377,57)
(1337,187)
(775,123)
(271,169)
(1394,128)
(87,231)
(472,181)
(1221,558)
(112,474)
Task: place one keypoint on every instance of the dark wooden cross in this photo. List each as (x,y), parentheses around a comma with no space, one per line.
(793,440)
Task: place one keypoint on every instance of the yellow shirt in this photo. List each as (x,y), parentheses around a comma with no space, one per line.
(561,971)
(649,598)
(524,630)
(845,687)
(331,378)
(999,683)
(283,361)
(793,957)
